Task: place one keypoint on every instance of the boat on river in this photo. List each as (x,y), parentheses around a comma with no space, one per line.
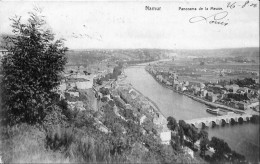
(213,111)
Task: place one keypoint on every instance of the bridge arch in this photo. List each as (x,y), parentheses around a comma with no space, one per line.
(202,125)
(240,120)
(223,122)
(212,124)
(232,121)
(219,120)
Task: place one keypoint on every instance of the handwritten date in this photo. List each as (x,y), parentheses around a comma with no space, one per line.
(245,4)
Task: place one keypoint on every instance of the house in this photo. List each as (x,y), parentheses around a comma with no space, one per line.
(164,81)
(84,84)
(233,87)
(253,104)
(74,94)
(142,119)
(133,94)
(177,87)
(195,89)
(240,91)
(159,77)
(175,82)
(245,89)
(183,88)
(218,86)
(223,91)
(3,52)
(173,75)
(233,104)
(168,83)
(103,129)
(204,93)
(186,83)
(212,97)
(166,137)
(242,105)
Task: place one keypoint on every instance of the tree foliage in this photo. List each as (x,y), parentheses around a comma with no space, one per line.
(204,141)
(31,71)
(221,148)
(172,123)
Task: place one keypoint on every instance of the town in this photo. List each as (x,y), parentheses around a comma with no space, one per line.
(239,94)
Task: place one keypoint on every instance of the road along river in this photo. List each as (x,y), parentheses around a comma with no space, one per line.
(242,138)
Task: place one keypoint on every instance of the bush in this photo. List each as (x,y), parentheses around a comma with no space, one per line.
(84,119)
(59,138)
(26,144)
(54,117)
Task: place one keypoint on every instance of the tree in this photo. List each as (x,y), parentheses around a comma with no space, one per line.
(203,134)
(221,148)
(194,136)
(204,141)
(172,123)
(181,134)
(31,71)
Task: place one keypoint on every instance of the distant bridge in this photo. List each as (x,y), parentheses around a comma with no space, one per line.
(218,120)
(139,65)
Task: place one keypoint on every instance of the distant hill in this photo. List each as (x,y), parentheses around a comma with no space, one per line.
(87,56)
(251,53)
(94,55)
(82,57)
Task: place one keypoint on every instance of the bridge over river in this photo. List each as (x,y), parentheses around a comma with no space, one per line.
(218,120)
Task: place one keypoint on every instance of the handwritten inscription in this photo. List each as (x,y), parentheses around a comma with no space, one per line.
(217,18)
(246,4)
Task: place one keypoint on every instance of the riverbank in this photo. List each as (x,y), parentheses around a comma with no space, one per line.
(151,101)
(154,105)
(212,104)
(144,103)
(240,137)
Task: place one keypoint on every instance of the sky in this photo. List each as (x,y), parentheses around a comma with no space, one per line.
(119,25)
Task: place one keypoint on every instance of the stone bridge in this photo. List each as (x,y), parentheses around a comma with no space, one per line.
(218,120)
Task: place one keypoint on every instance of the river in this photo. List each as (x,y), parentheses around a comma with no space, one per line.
(244,138)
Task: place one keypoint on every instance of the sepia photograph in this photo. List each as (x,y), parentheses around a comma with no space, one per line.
(128,81)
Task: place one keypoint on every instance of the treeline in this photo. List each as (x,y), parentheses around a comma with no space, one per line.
(186,135)
(237,97)
(246,82)
(116,72)
(86,57)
